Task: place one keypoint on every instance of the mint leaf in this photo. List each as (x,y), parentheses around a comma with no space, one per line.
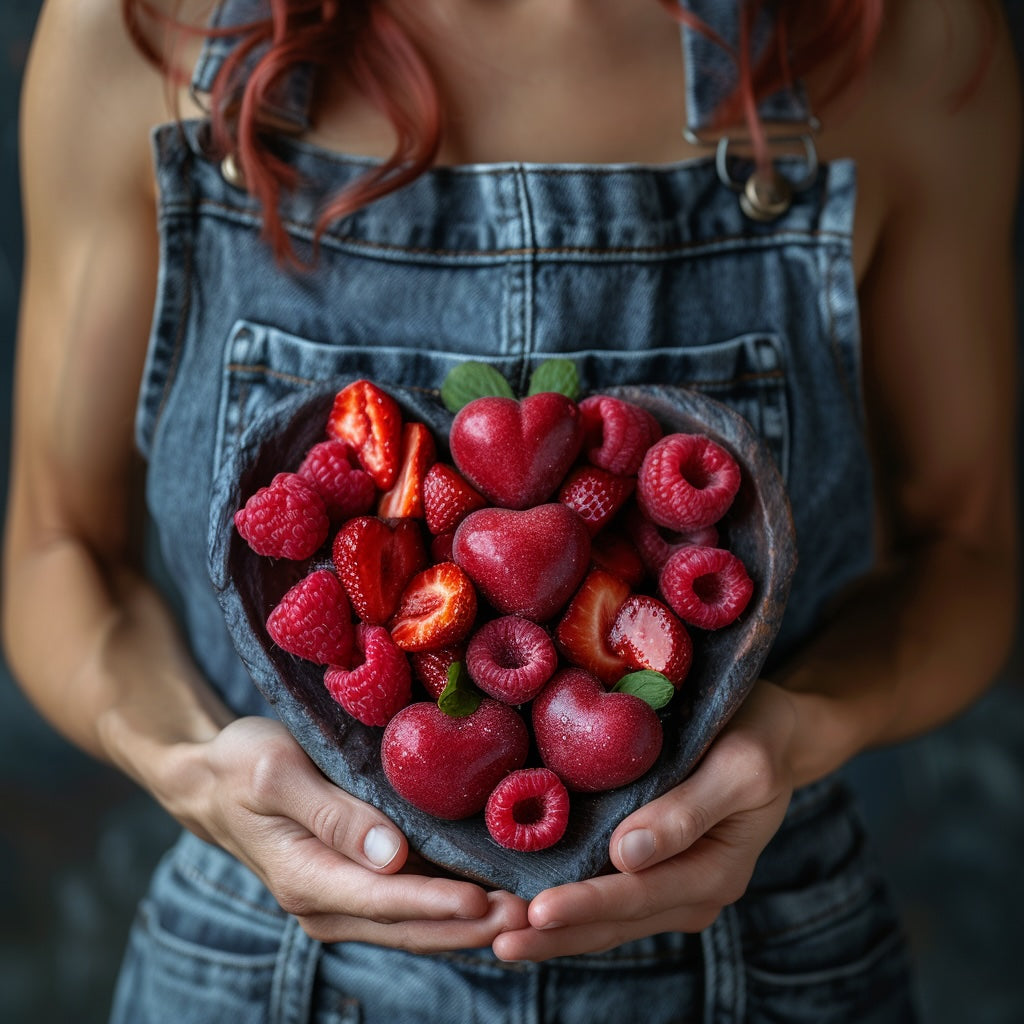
(650,686)
(558,375)
(459,699)
(471,379)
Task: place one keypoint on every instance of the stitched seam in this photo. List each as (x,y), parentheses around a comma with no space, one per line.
(811,922)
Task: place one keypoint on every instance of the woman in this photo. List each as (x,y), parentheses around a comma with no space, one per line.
(865,329)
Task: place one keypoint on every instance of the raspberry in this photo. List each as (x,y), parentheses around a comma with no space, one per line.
(655,543)
(374,691)
(528,810)
(347,490)
(687,481)
(431,667)
(616,433)
(314,620)
(706,587)
(286,519)
(511,658)
(595,495)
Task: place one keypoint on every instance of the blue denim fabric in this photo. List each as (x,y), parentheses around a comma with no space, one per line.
(639,274)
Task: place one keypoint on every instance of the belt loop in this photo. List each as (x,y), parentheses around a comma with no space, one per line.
(725,988)
(291,995)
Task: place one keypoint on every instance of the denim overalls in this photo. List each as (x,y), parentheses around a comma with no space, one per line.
(639,274)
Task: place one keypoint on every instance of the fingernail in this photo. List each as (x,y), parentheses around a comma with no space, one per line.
(380,846)
(636,848)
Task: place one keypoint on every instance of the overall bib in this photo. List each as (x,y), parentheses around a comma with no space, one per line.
(639,274)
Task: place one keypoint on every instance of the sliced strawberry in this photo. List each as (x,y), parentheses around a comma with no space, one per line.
(379,686)
(431,667)
(582,633)
(375,560)
(436,609)
(370,420)
(405,498)
(615,553)
(595,494)
(448,498)
(648,635)
(314,620)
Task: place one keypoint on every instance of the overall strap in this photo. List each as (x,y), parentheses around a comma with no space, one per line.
(287,107)
(709,57)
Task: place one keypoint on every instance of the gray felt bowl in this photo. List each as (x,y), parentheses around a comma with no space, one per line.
(758,528)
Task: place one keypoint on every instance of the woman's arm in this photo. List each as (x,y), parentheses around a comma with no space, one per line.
(927,633)
(88,637)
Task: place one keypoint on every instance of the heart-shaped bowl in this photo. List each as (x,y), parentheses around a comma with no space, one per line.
(758,528)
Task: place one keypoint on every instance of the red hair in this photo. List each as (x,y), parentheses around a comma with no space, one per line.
(381,62)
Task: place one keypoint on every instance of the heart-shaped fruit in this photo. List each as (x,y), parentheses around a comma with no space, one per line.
(757,529)
(516,452)
(525,562)
(448,766)
(593,739)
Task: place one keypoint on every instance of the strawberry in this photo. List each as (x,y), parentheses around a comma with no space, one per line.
(511,658)
(528,810)
(331,470)
(314,620)
(448,498)
(617,434)
(431,667)
(615,553)
(441,547)
(286,519)
(687,481)
(437,608)
(405,498)
(377,688)
(375,560)
(582,633)
(595,495)
(370,420)
(706,587)
(648,635)
(655,543)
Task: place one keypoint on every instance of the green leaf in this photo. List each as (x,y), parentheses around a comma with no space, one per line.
(471,379)
(649,686)
(558,375)
(459,699)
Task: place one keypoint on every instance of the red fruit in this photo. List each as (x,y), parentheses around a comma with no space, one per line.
(370,420)
(615,553)
(648,635)
(448,498)
(595,495)
(516,452)
(655,543)
(448,766)
(436,608)
(431,667)
(528,810)
(511,658)
(441,547)
(706,587)
(375,690)
(687,481)
(286,519)
(314,620)
(405,498)
(375,560)
(617,434)
(524,562)
(591,739)
(346,489)
(582,634)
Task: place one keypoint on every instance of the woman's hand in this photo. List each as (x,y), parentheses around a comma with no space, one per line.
(333,861)
(683,857)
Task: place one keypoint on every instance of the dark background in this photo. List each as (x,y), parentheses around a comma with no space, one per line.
(77,842)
